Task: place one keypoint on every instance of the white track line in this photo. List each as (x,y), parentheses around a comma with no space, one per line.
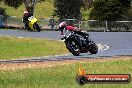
(100,46)
(106,47)
(20,37)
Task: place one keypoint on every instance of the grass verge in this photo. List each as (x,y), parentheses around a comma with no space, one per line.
(63,75)
(44,9)
(16,48)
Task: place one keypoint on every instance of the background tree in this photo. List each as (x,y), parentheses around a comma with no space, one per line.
(13,3)
(129,14)
(65,9)
(3,14)
(109,9)
(87,4)
(29,4)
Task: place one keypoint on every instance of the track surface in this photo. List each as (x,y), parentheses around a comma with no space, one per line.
(110,43)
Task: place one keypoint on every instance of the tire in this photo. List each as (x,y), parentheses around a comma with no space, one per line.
(73,47)
(36,26)
(93,48)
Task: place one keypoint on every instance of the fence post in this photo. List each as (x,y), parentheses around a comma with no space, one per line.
(106,26)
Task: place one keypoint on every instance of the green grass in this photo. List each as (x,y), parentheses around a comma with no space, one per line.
(44,9)
(64,76)
(16,48)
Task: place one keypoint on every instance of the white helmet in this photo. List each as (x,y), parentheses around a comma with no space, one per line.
(62,24)
(26,11)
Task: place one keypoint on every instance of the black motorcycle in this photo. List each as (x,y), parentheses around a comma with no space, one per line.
(77,44)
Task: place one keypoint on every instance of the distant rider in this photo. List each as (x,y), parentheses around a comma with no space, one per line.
(25,18)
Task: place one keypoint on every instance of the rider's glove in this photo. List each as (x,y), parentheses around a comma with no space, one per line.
(63,37)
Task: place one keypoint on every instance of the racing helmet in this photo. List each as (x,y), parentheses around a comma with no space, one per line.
(25,11)
(63,24)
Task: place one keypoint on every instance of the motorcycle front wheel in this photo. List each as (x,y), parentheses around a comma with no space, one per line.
(73,47)
(93,48)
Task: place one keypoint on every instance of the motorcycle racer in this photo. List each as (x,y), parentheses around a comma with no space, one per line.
(25,19)
(76,40)
(64,28)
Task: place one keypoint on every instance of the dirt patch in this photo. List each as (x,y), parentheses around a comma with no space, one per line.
(46,64)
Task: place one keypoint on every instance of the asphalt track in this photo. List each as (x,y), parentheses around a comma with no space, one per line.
(109,43)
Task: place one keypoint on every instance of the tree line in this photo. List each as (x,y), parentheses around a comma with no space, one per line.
(71,9)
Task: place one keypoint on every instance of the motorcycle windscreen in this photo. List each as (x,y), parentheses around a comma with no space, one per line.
(32,19)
